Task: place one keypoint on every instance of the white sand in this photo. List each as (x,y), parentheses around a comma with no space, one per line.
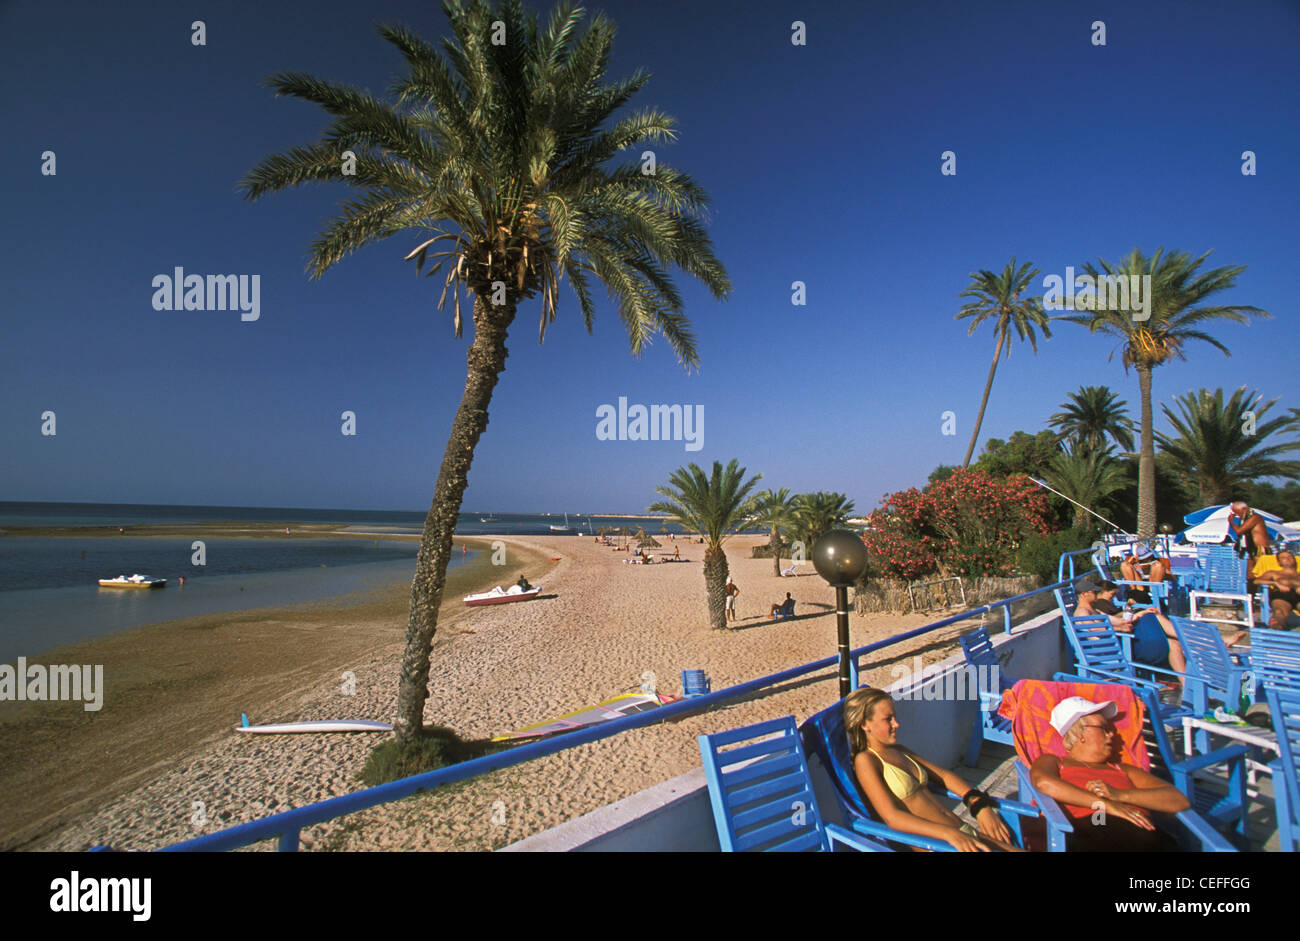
(500,668)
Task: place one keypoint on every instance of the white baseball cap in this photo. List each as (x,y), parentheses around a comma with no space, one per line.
(1070,711)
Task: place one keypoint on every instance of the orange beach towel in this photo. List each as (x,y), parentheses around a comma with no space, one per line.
(1029,706)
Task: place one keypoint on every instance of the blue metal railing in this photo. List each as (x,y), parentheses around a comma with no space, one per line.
(286,826)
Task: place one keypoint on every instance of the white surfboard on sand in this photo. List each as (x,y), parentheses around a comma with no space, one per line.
(328,725)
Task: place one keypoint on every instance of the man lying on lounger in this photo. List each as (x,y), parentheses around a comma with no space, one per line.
(1154,638)
(1284,597)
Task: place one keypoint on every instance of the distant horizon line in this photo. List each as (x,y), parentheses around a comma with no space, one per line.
(250,506)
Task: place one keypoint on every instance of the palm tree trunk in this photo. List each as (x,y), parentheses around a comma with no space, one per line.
(776,552)
(487,360)
(1147,459)
(997,353)
(715,586)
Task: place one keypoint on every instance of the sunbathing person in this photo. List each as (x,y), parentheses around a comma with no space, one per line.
(1143,566)
(894,777)
(783,607)
(1107,801)
(1285,595)
(1155,640)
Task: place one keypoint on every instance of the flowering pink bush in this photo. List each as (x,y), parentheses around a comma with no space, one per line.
(970,523)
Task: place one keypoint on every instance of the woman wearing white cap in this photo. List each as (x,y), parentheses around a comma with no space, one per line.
(1107,801)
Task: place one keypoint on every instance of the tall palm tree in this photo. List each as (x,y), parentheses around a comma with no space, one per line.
(999,297)
(1175,312)
(1092,415)
(774,511)
(1088,476)
(1218,451)
(710,506)
(497,154)
(820,512)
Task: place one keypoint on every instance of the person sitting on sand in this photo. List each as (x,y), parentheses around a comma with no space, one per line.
(1108,802)
(1143,566)
(1155,640)
(894,778)
(523,584)
(783,607)
(1285,596)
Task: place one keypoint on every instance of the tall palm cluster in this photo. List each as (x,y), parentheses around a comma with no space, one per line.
(1177,310)
(498,156)
(796,521)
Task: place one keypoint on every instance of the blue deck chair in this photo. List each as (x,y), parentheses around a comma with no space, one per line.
(1099,658)
(1190,829)
(989,726)
(762,793)
(1162,593)
(1225,804)
(825,737)
(1067,599)
(1275,658)
(695,683)
(1221,676)
(1222,574)
(1285,707)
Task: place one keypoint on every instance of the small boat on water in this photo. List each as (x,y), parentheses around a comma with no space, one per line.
(133,581)
(562,529)
(501,595)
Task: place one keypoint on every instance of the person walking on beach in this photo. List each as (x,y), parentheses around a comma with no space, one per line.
(677,554)
(732,592)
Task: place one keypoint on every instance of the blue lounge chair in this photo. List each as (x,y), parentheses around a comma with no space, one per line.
(1222,575)
(989,726)
(1033,701)
(762,793)
(825,737)
(1225,805)
(1222,676)
(1285,707)
(695,683)
(1275,658)
(1100,658)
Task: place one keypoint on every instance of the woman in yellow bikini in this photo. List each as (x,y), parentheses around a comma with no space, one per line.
(894,778)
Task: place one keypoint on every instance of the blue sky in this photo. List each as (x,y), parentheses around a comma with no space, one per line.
(823,165)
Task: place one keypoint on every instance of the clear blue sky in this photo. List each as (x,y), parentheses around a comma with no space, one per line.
(823,163)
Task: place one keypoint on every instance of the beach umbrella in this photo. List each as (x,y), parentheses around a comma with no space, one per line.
(1209,526)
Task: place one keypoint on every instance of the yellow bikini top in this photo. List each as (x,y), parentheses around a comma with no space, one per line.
(899,781)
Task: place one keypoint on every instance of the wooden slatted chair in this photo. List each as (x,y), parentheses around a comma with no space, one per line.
(695,683)
(1284,704)
(1275,658)
(1222,676)
(825,737)
(1223,802)
(762,793)
(982,658)
(1100,658)
(1029,705)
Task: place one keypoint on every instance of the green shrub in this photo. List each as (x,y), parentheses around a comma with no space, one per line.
(436,747)
(1040,555)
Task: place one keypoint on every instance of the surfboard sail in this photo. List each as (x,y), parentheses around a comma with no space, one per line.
(618,707)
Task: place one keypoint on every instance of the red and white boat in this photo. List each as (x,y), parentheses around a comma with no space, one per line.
(501,595)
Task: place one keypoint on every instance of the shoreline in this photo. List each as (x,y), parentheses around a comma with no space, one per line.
(175,687)
(601,628)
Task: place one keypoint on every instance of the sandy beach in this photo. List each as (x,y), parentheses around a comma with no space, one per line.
(601,627)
